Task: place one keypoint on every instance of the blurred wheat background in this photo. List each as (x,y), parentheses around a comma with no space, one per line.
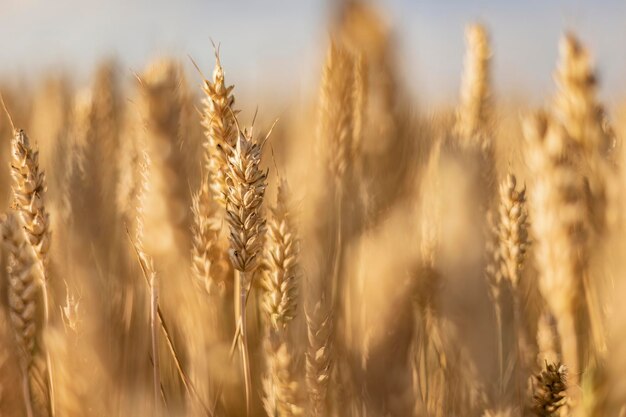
(251,228)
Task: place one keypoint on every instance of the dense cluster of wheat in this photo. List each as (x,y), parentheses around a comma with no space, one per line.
(358,257)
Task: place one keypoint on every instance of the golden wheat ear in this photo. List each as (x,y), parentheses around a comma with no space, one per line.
(280,281)
(27,314)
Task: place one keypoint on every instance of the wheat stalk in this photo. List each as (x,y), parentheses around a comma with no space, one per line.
(26,313)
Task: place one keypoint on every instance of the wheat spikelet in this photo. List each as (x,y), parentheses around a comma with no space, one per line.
(473,122)
(335,111)
(29,186)
(280,280)
(318,359)
(549,390)
(218,119)
(560,230)
(27,312)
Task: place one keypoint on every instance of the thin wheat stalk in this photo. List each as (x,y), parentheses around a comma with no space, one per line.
(26,311)
(246,190)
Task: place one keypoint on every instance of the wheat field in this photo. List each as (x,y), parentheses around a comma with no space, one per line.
(169,251)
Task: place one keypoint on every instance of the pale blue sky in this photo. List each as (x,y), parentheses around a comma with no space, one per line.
(269,43)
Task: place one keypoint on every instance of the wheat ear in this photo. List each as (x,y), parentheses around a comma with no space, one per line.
(318,359)
(246,190)
(205,255)
(560,231)
(218,119)
(549,390)
(280,282)
(473,122)
(27,312)
(29,186)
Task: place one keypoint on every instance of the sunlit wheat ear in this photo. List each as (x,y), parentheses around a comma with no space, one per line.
(512,230)
(474,116)
(218,119)
(26,312)
(244,212)
(318,359)
(29,186)
(335,131)
(560,230)
(549,390)
(205,254)
(281,275)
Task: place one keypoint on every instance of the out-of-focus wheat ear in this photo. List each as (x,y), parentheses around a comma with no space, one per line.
(107,114)
(335,124)
(560,232)
(280,384)
(29,186)
(218,120)
(161,109)
(576,106)
(510,243)
(205,255)
(281,275)
(244,213)
(549,390)
(319,360)
(280,282)
(512,229)
(474,116)
(360,91)
(80,130)
(26,313)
